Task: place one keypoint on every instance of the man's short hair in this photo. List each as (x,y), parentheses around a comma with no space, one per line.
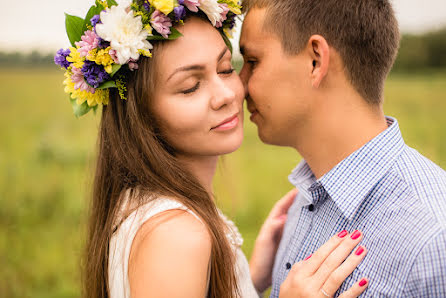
(364,32)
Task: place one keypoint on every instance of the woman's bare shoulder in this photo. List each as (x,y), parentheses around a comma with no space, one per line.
(170,256)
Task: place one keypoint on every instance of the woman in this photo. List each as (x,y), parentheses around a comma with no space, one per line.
(155,230)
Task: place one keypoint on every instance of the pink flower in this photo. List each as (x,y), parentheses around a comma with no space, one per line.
(114,56)
(133,65)
(161,23)
(79,81)
(192,5)
(89,41)
(223,14)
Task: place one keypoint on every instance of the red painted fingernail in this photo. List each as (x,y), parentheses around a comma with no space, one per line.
(308,257)
(363,282)
(342,234)
(359,251)
(355,235)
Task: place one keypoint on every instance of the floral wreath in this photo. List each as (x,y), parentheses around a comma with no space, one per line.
(112,37)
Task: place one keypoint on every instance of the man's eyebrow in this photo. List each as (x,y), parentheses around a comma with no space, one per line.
(196,66)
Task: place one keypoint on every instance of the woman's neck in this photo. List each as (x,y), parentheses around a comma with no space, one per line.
(203,168)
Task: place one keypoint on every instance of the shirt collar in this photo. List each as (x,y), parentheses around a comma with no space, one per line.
(350,181)
(302,178)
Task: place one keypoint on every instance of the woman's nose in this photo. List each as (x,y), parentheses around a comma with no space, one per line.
(223,94)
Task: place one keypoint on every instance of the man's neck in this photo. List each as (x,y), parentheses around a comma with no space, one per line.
(335,133)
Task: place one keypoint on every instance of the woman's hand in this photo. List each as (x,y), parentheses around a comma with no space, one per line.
(321,274)
(267,242)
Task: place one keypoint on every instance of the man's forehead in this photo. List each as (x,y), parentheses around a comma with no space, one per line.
(252,34)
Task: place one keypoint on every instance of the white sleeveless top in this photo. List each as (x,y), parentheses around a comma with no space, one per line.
(122,239)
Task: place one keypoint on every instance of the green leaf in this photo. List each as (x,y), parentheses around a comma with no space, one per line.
(108,84)
(74,26)
(174,34)
(94,10)
(227,41)
(111,3)
(80,110)
(115,69)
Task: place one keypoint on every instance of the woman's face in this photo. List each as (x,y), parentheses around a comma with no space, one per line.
(198,97)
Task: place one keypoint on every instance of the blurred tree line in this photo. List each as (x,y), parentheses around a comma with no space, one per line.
(421,52)
(417,53)
(33,59)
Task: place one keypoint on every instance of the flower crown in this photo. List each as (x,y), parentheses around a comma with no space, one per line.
(109,41)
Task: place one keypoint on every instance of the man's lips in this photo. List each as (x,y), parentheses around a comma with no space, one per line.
(228,123)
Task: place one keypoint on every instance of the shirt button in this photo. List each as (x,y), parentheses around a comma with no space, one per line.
(311,208)
(288,266)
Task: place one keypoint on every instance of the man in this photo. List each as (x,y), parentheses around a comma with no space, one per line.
(314,74)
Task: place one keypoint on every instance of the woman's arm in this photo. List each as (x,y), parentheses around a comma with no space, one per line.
(170,257)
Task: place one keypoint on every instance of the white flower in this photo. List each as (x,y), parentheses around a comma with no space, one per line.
(212,10)
(124,31)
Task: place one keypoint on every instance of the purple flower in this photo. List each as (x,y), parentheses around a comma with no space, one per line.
(94,20)
(94,74)
(147,5)
(161,23)
(232,21)
(180,12)
(61,58)
(102,44)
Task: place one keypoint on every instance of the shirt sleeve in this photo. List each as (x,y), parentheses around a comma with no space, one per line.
(428,275)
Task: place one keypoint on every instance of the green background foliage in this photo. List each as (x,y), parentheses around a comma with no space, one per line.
(47,158)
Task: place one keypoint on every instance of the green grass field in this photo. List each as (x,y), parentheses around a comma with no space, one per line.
(46,159)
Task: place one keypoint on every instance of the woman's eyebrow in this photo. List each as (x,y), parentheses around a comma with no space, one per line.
(186,68)
(196,66)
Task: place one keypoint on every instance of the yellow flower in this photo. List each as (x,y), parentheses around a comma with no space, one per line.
(228,32)
(148,29)
(145,53)
(232,5)
(165,6)
(101,57)
(76,58)
(100,96)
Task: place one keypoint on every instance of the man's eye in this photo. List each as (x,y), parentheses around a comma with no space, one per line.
(191,90)
(252,63)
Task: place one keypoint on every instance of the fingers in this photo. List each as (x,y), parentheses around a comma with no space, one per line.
(338,255)
(356,290)
(338,276)
(316,260)
(282,206)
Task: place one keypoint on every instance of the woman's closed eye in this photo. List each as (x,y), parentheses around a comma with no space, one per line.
(229,71)
(192,90)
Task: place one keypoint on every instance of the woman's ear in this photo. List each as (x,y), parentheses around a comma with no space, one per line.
(319,52)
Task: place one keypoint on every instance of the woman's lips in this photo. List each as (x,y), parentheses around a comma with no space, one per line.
(227,124)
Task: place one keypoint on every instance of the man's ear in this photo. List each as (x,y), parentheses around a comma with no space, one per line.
(319,52)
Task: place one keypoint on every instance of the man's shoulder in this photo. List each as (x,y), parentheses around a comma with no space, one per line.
(425,181)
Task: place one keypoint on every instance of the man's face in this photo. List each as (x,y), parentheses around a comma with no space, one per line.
(277,84)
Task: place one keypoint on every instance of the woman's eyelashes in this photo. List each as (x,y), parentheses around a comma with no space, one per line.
(197,85)
(229,71)
(191,90)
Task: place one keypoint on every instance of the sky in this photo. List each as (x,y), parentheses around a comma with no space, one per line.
(39,25)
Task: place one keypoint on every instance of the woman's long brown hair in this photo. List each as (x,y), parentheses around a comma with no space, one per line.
(132,154)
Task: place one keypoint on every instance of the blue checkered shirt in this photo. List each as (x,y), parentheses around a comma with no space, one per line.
(395,196)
